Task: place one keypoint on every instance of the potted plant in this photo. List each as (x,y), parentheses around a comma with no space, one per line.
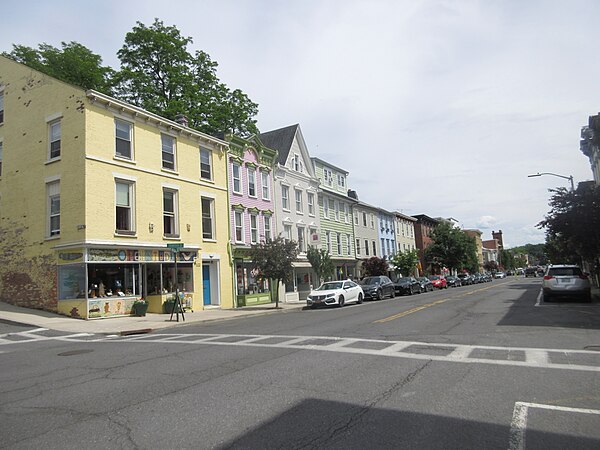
(140,307)
(169,305)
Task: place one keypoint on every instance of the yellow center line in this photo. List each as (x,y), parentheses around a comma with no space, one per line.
(429,305)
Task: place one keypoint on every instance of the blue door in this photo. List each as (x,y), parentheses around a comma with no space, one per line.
(206,284)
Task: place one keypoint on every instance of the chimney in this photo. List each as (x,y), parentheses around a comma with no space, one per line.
(352,194)
(181,119)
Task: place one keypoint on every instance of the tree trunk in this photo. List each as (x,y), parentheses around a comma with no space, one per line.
(276,290)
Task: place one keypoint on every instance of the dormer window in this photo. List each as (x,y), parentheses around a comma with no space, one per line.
(297,163)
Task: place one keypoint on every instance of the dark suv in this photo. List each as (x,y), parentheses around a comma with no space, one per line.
(378,287)
(531,272)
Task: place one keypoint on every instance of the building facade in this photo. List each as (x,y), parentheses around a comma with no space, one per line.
(335,206)
(405,232)
(423,228)
(296,190)
(252,213)
(590,137)
(366,233)
(93,190)
(387,233)
(476,235)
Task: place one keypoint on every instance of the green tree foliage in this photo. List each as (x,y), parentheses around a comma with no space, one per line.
(536,252)
(491,266)
(452,248)
(159,74)
(73,64)
(405,263)
(320,260)
(375,266)
(573,224)
(273,260)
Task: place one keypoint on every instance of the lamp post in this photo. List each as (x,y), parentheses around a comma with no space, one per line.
(570,177)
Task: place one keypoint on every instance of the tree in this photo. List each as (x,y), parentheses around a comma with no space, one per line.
(452,248)
(73,64)
(405,263)
(491,266)
(573,224)
(159,74)
(375,266)
(321,263)
(273,260)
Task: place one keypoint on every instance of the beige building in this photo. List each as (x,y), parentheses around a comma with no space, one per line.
(94,191)
(476,234)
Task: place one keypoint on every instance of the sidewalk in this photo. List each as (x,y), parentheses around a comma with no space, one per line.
(132,324)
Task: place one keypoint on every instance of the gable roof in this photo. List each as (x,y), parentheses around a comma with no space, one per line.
(280,140)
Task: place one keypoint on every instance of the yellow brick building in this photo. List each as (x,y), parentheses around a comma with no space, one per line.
(92,190)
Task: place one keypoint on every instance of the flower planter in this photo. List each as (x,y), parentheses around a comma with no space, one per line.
(140,309)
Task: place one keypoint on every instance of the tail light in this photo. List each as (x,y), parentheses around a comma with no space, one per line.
(548,277)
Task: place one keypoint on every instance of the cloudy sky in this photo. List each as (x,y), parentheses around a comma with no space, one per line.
(434,107)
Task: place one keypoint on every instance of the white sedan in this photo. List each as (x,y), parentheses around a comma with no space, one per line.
(499,275)
(335,293)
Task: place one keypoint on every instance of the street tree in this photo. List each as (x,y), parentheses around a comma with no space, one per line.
(273,261)
(375,266)
(158,73)
(490,266)
(73,63)
(452,248)
(573,224)
(321,262)
(405,263)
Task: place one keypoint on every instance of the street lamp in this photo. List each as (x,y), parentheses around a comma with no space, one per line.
(570,177)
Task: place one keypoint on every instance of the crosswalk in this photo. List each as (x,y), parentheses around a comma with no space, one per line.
(561,359)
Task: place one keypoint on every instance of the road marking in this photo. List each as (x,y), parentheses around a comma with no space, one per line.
(31,336)
(410,311)
(582,360)
(518,425)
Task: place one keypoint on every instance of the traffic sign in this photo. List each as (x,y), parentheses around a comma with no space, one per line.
(174,246)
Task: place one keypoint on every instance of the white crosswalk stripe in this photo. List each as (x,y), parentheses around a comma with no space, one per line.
(36,336)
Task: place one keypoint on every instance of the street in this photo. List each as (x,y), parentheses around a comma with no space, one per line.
(482,366)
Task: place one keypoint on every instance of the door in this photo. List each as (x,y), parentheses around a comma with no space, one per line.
(206,284)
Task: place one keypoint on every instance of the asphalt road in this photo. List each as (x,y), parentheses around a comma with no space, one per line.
(485,366)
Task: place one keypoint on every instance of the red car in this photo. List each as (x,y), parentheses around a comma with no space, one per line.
(438,281)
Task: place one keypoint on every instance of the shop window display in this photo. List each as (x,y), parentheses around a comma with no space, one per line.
(247,280)
(108,280)
(160,278)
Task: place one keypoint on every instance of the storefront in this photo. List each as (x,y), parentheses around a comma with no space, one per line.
(250,288)
(105,282)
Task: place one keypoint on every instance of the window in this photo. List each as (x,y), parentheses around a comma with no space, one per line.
(349,244)
(1,106)
(298,200)
(301,240)
(205,163)
(364,214)
(327,177)
(287,232)
(358,246)
(366,247)
(267,228)
(336,206)
(124,207)
(1,152)
(53,206)
(382,247)
(374,248)
(168,151)
(311,203)
(328,240)
(238,218)
(123,139)
(346,213)
(251,181)
(54,139)
(253,228)
(314,236)
(355,217)
(237,179)
(285,193)
(372,221)
(326,208)
(265,182)
(339,243)
(297,163)
(341,180)
(170,223)
(208,222)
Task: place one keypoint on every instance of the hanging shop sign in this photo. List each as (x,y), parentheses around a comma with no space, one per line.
(116,255)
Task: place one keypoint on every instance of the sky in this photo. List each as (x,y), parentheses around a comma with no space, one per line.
(434,107)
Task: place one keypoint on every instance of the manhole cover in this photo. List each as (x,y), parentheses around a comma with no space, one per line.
(595,348)
(75,352)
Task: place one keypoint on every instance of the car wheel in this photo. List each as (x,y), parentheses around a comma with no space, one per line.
(393,294)
(341,301)
(360,298)
(379,294)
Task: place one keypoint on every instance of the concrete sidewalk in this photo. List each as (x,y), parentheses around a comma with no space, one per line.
(123,325)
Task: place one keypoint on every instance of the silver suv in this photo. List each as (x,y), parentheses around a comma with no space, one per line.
(566,280)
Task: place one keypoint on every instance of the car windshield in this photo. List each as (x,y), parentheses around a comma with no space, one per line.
(370,280)
(434,277)
(330,286)
(403,280)
(564,271)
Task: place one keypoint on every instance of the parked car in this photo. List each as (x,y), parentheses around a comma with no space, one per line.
(487,277)
(438,281)
(499,275)
(378,287)
(335,293)
(453,281)
(566,281)
(465,279)
(426,284)
(407,286)
(531,272)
